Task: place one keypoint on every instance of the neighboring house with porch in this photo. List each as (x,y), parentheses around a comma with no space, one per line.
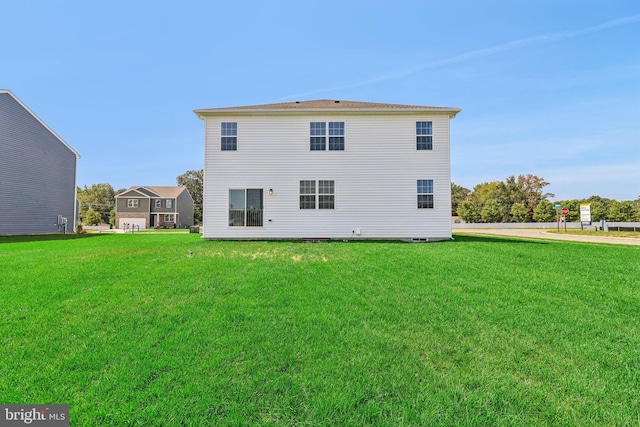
(37,173)
(327,169)
(154,207)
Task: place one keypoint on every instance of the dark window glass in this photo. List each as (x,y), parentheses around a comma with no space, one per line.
(424,136)
(318,143)
(425,194)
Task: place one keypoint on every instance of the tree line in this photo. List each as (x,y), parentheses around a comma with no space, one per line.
(98,201)
(516,199)
(523,199)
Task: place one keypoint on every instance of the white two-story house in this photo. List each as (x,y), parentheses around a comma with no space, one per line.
(327,169)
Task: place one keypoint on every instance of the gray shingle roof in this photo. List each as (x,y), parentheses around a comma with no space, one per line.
(326,105)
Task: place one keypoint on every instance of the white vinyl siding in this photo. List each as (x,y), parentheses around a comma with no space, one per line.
(375,178)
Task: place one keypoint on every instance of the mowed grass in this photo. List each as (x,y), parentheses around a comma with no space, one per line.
(174,330)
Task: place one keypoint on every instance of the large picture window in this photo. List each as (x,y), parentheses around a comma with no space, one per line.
(318,136)
(229,136)
(324,198)
(424,136)
(245,208)
(425,194)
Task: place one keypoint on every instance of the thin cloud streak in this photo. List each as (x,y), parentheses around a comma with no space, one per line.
(479,53)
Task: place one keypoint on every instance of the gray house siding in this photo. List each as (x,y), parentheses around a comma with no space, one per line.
(185,209)
(37,173)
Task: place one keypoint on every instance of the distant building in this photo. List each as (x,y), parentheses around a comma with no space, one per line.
(154,207)
(37,173)
(327,169)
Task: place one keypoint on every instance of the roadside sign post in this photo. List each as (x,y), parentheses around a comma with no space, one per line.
(565,212)
(557,207)
(585,214)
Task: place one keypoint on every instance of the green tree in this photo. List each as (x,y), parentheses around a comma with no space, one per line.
(544,212)
(99,197)
(468,211)
(92,217)
(458,195)
(622,211)
(194,181)
(599,207)
(492,211)
(519,212)
(574,209)
(112,218)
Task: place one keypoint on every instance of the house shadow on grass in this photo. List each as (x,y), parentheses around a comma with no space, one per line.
(461,238)
(45,237)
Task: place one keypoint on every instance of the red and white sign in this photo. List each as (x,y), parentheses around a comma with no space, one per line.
(565,211)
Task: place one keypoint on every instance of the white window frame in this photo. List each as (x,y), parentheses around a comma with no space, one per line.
(158,203)
(229,136)
(168,203)
(425,133)
(133,203)
(169,218)
(324,194)
(328,132)
(425,187)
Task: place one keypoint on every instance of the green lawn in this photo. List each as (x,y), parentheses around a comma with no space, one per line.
(166,330)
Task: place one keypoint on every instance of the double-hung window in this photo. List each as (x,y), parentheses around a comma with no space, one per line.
(132,203)
(168,203)
(229,136)
(318,136)
(424,135)
(158,203)
(425,194)
(324,198)
(169,218)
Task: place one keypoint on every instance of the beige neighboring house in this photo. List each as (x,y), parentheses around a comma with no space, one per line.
(154,207)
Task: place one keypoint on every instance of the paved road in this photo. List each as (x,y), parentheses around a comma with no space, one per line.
(542,234)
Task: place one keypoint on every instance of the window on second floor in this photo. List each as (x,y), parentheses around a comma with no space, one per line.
(425,194)
(424,135)
(158,203)
(229,136)
(318,136)
(168,203)
(132,203)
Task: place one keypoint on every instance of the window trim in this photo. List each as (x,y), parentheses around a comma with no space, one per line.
(323,196)
(327,136)
(168,204)
(158,203)
(425,194)
(228,136)
(247,222)
(424,135)
(133,203)
(172,216)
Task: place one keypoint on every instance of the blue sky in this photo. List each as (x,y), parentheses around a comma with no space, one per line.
(546,87)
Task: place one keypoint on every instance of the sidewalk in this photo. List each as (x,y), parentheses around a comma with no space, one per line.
(543,234)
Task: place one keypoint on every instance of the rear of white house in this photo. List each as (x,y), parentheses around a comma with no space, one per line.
(327,169)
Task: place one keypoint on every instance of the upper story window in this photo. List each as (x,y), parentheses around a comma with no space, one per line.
(425,194)
(158,203)
(168,203)
(132,203)
(424,136)
(318,136)
(229,136)
(325,194)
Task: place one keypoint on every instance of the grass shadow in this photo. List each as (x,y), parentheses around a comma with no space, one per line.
(45,237)
(496,239)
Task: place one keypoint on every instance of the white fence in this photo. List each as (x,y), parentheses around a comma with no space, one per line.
(547,225)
